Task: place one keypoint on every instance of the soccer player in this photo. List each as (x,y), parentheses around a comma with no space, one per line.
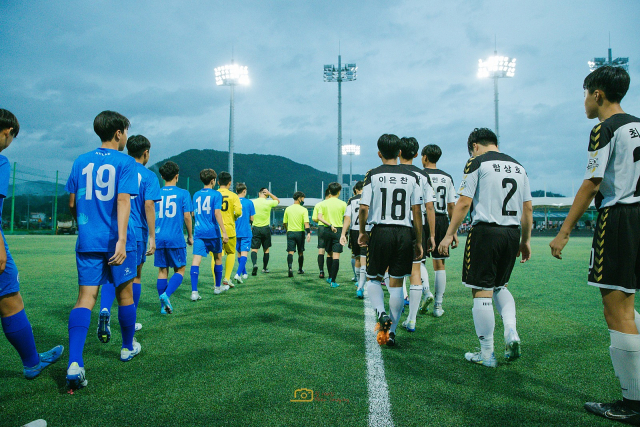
(243,231)
(321,229)
(15,324)
(445,194)
(391,203)
(261,228)
(496,188)
(231,210)
(296,222)
(409,148)
(612,178)
(143,218)
(207,213)
(332,214)
(173,209)
(352,227)
(100,187)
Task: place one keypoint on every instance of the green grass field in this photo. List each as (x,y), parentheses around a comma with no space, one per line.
(237,358)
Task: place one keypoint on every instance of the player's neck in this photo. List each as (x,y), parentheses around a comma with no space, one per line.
(429,165)
(405,161)
(225,187)
(609,109)
(171,183)
(110,145)
(208,187)
(482,149)
(393,161)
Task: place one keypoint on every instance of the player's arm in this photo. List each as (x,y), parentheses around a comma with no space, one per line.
(123,212)
(581,203)
(307,229)
(237,208)
(363,214)
(459,212)
(416,210)
(150,213)
(527,222)
(322,220)
(345,226)
(270,194)
(431,222)
(450,207)
(72,206)
(223,229)
(189,224)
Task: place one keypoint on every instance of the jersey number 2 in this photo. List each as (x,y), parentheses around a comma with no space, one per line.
(514,187)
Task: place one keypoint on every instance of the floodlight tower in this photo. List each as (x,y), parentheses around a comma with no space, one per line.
(601,62)
(351,150)
(231,75)
(346,73)
(496,67)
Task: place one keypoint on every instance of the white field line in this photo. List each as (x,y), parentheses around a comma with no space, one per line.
(379,405)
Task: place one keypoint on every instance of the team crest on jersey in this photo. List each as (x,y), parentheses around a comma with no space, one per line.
(83,219)
(593,165)
(127,270)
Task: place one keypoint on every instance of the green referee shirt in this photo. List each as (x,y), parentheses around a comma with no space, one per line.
(263,211)
(295,216)
(314,216)
(333,211)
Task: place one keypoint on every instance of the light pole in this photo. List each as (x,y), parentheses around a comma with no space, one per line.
(496,67)
(346,73)
(351,150)
(601,62)
(231,75)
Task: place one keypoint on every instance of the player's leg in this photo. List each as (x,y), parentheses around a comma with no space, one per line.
(400,244)
(415,295)
(216,264)
(256,242)
(377,262)
(230,250)
(484,322)
(301,258)
(194,272)
(353,267)
(160,260)
(265,246)
(440,285)
(127,319)
(107,296)
(254,260)
(363,274)
(336,251)
(242,249)
(176,279)
(427,296)
(141,256)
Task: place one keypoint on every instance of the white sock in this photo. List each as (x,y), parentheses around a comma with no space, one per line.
(353,266)
(485,323)
(376,296)
(415,294)
(506,306)
(405,295)
(396,304)
(440,285)
(625,356)
(362,277)
(424,276)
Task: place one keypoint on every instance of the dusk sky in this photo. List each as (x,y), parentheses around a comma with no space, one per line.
(64,62)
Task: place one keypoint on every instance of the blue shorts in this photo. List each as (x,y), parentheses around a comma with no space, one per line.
(142,252)
(94,268)
(9,279)
(243,244)
(202,247)
(170,257)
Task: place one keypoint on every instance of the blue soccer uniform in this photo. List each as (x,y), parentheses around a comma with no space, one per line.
(207,231)
(244,234)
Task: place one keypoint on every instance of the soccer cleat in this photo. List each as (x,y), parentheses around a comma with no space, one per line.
(290,273)
(238,278)
(512,346)
(227,282)
(265,270)
(245,276)
(476,357)
(300,271)
(334,285)
(354,279)
(360,293)
(427,299)
(36,423)
(409,326)
(104,326)
(254,272)
(321,275)
(392,339)
(220,289)
(328,279)
(46,359)
(75,377)
(195,296)
(383,325)
(164,299)
(138,326)
(126,354)
(437,310)
(617,411)
(406,301)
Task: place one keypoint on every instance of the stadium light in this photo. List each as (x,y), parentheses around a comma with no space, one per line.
(346,73)
(496,67)
(231,75)
(351,150)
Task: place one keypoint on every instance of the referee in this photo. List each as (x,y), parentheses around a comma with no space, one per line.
(261,228)
(296,222)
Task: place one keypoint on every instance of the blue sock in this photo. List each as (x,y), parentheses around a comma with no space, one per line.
(79,320)
(18,331)
(137,290)
(127,319)
(195,272)
(217,271)
(107,295)
(174,283)
(242,262)
(162,286)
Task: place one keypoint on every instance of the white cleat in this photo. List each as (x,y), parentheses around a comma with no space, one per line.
(195,296)
(437,310)
(138,326)
(477,358)
(220,289)
(245,276)
(238,278)
(228,283)
(75,377)
(512,345)
(409,326)
(126,354)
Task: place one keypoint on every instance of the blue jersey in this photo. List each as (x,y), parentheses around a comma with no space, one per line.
(243,225)
(205,203)
(170,210)
(97,178)
(5,173)
(148,189)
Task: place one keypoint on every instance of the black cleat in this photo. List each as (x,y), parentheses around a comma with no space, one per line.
(392,339)
(290,273)
(300,271)
(254,272)
(321,275)
(617,411)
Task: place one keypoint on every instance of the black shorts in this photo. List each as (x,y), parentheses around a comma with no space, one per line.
(261,237)
(390,246)
(442,224)
(332,240)
(615,251)
(321,231)
(489,256)
(295,239)
(356,250)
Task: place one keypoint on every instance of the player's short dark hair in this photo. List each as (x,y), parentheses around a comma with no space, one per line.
(433,152)
(137,145)
(334,188)
(408,147)
(207,175)
(224,178)
(358,186)
(240,187)
(482,136)
(297,195)
(326,193)
(613,81)
(8,120)
(108,122)
(262,189)
(388,145)
(169,170)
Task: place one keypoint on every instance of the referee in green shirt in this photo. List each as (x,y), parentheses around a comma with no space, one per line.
(296,222)
(331,215)
(261,228)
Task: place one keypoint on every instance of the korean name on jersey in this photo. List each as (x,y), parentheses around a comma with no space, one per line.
(498,185)
(425,187)
(443,188)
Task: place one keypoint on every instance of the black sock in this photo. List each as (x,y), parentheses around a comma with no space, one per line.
(265,261)
(329,262)
(321,262)
(300,261)
(335,265)
(254,258)
(290,260)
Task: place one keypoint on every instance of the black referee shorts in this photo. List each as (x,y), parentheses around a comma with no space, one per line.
(442,224)
(261,237)
(321,230)
(295,239)
(390,246)
(332,240)
(356,250)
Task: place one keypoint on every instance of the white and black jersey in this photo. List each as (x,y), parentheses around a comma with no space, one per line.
(498,186)
(390,191)
(425,186)
(614,156)
(353,210)
(444,190)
